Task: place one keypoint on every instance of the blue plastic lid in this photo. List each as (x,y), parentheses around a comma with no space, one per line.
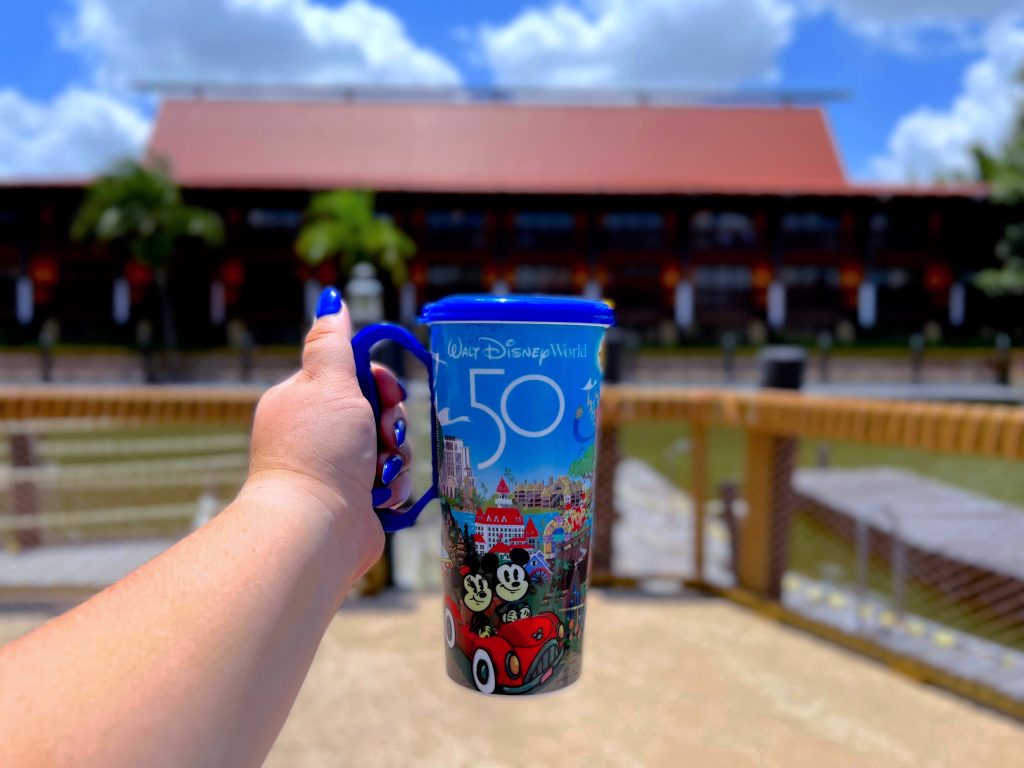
(485,308)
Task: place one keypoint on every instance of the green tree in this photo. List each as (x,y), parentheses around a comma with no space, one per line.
(138,208)
(1004,173)
(510,476)
(583,466)
(344,224)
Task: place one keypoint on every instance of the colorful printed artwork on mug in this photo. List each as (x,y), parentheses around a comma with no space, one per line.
(515,442)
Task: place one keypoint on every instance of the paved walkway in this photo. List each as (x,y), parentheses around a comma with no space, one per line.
(75,570)
(689,682)
(653,535)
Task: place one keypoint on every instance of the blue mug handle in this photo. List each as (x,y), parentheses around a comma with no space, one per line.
(363,342)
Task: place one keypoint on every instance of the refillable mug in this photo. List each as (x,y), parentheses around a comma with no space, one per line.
(515,383)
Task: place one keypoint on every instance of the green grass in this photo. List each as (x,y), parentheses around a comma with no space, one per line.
(654,442)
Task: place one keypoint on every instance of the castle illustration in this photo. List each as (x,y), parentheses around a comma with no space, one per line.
(501,528)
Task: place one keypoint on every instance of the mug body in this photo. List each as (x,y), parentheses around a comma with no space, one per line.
(516,407)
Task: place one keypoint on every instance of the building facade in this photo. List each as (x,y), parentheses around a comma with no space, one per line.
(456,473)
(692,220)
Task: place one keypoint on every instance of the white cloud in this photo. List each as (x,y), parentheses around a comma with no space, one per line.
(125,41)
(279,41)
(911,26)
(80,132)
(929,144)
(640,43)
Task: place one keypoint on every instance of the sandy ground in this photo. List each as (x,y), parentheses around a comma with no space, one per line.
(666,681)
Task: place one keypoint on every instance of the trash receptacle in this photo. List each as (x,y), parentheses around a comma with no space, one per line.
(782,367)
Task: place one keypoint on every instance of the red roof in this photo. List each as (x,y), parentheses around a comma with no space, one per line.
(499,516)
(502,486)
(515,148)
(501,548)
(531,529)
(478,537)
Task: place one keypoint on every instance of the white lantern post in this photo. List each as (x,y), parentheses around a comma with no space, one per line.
(364,295)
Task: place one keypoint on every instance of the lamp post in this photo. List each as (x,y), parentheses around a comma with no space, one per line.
(824,339)
(916,357)
(364,294)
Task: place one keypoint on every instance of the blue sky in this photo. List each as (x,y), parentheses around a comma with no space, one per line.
(926,79)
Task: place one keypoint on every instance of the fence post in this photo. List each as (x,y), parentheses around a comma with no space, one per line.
(770,460)
(699,493)
(24,493)
(604,495)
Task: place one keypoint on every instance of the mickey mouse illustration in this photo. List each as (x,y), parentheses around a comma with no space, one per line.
(476,595)
(511,584)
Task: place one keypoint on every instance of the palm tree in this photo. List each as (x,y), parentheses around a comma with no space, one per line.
(137,207)
(343,224)
(1004,173)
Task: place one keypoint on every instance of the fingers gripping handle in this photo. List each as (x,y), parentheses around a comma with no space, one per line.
(363,342)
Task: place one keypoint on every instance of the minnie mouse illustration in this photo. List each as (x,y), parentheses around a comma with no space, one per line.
(476,595)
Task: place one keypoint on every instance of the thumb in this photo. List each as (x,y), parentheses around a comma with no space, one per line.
(328,348)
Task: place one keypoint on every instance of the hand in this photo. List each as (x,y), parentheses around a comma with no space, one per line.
(316,433)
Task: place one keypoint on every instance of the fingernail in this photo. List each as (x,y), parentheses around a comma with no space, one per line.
(392,467)
(400,432)
(379,496)
(330,302)
(402,389)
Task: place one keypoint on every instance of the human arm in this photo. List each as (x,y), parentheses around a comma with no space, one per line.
(195,659)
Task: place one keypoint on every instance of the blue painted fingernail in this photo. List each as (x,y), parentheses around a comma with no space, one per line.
(380,496)
(392,467)
(399,432)
(401,387)
(330,302)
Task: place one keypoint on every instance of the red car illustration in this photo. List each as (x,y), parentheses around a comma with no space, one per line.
(522,655)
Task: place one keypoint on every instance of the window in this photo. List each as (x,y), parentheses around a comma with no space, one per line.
(273,218)
(809,223)
(634,230)
(454,221)
(544,229)
(810,229)
(543,278)
(809,276)
(720,230)
(455,229)
(723,278)
(904,232)
(893,278)
(443,279)
(639,272)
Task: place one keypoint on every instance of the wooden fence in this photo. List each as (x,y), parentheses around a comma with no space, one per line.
(772,423)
